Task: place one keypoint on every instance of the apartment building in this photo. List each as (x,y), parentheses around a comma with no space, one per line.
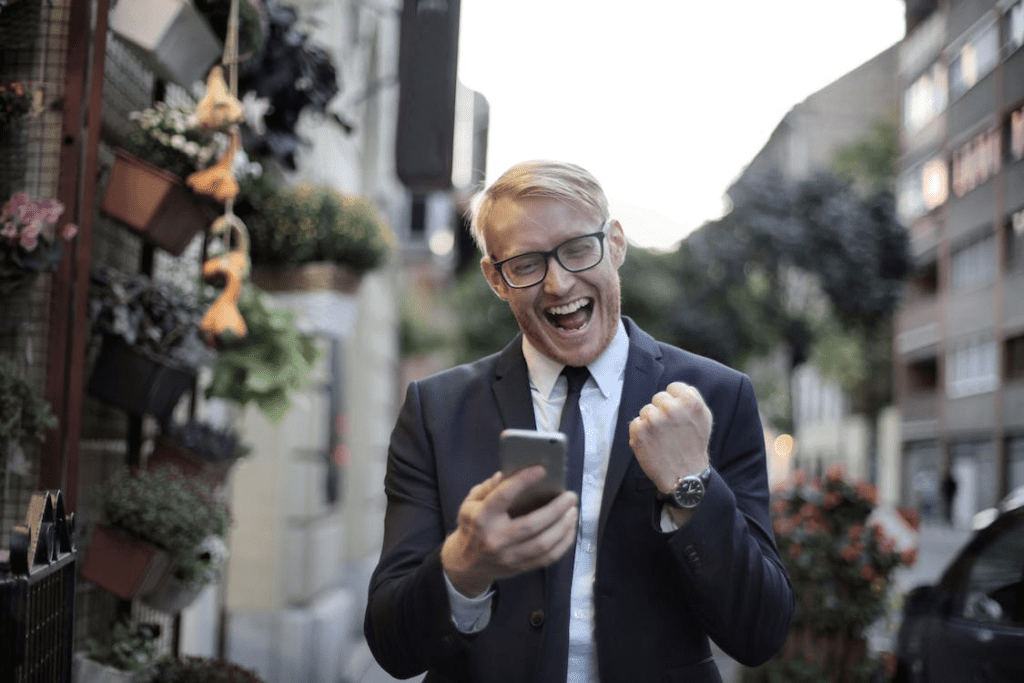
(959,347)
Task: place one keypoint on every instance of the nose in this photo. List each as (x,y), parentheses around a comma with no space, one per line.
(557,279)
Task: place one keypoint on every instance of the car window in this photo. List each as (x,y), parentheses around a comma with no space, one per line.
(994,591)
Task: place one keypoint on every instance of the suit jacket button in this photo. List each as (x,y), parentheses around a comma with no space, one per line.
(537,618)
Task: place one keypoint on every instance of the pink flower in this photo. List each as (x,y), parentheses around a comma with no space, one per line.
(28,242)
(10,231)
(70,230)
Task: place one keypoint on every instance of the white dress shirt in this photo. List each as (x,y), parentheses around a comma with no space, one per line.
(599,406)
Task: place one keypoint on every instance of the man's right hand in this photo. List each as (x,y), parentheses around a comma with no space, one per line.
(489,545)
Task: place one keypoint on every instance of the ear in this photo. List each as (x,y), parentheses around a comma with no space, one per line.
(616,244)
(494,278)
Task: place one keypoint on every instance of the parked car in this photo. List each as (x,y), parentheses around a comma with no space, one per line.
(970,625)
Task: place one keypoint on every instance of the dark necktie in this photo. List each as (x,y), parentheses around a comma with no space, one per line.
(554,653)
(571,424)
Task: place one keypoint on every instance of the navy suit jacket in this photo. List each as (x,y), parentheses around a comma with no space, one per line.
(657,597)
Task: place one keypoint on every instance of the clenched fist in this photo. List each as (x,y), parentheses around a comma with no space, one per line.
(670,436)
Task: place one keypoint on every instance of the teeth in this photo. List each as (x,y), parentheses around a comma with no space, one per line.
(568,308)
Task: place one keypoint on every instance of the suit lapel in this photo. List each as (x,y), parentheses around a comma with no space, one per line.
(643,375)
(511,387)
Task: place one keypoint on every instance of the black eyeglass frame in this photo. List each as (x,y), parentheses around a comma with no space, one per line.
(600,234)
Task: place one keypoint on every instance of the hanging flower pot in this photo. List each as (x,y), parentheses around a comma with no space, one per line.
(167,451)
(169,36)
(153,203)
(123,565)
(136,381)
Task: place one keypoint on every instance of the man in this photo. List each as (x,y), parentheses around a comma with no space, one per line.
(668,544)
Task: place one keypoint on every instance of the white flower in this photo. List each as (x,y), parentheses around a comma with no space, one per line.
(178,141)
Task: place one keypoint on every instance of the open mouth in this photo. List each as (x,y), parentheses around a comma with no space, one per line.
(571,316)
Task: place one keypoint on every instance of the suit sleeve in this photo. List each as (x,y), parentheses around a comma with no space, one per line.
(735,580)
(408,623)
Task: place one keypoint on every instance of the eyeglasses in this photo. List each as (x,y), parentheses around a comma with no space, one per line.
(575,255)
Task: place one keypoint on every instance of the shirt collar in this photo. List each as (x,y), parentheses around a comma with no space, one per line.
(606,370)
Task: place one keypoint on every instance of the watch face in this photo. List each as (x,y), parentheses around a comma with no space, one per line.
(689,493)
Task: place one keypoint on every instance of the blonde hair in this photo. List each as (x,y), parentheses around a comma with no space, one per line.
(559,180)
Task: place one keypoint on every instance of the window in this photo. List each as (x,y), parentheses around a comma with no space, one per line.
(921,189)
(1015,242)
(974,60)
(993,588)
(1013,28)
(924,282)
(923,375)
(1015,358)
(925,98)
(972,368)
(974,265)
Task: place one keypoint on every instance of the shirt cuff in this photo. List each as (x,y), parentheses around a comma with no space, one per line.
(470,615)
(668,525)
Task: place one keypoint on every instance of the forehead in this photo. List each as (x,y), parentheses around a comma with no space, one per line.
(518,225)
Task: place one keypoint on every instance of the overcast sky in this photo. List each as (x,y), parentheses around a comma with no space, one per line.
(665,101)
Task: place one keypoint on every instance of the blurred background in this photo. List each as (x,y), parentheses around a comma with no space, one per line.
(830,199)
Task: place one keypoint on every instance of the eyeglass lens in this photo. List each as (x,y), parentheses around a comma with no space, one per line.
(575,255)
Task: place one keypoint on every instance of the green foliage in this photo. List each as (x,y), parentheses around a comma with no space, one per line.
(126,647)
(485,322)
(418,335)
(296,225)
(870,163)
(202,670)
(151,316)
(164,507)
(271,361)
(24,415)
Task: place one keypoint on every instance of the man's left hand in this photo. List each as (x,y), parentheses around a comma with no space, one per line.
(670,436)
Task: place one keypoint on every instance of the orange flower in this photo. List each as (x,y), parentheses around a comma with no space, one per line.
(856,531)
(852,552)
(867,572)
(795,550)
(832,500)
(909,557)
(834,472)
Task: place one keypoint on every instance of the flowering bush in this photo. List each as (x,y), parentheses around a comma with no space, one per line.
(167,137)
(27,242)
(202,670)
(24,415)
(841,565)
(15,101)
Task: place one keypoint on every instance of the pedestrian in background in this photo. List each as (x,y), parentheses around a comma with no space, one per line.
(668,541)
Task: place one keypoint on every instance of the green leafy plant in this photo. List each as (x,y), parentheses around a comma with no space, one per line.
(202,670)
(166,136)
(27,242)
(15,101)
(181,514)
(208,442)
(265,366)
(24,415)
(294,225)
(126,647)
(841,564)
(154,317)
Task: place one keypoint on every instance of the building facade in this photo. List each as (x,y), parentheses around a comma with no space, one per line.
(960,333)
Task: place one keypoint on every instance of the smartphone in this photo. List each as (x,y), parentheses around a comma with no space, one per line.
(521,448)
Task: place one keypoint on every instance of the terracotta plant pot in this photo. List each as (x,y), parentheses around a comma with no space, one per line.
(123,565)
(154,203)
(136,382)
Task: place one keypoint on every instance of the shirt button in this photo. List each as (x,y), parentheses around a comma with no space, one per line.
(537,618)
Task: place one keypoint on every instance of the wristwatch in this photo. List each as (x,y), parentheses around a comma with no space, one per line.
(689,490)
